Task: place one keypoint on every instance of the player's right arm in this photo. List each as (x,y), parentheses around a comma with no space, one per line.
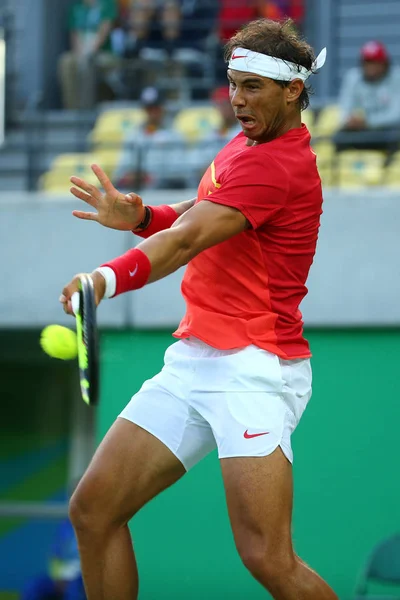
(115,210)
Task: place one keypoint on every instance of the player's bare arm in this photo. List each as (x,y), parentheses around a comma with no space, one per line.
(115,210)
(199,228)
(203,226)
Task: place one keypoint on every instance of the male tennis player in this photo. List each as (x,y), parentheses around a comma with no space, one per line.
(239,379)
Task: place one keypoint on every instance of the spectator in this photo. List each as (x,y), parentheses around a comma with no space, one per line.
(90,24)
(63,580)
(213,141)
(153,154)
(370,110)
(198,22)
(229,124)
(153,23)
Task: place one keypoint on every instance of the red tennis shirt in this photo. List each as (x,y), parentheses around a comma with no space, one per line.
(247,290)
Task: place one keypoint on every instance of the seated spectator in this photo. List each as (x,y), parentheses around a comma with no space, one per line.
(153,155)
(63,580)
(90,24)
(153,23)
(370,109)
(212,142)
(229,124)
(198,22)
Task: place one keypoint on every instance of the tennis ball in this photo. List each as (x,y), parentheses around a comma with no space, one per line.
(59,342)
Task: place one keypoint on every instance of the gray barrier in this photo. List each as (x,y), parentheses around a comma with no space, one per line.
(355,279)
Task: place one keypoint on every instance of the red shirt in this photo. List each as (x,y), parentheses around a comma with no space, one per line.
(247,290)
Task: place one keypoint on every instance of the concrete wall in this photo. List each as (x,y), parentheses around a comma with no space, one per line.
(355,279)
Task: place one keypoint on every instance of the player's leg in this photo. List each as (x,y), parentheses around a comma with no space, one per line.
(158,438)
(253,401)
(130,467)
(259,495)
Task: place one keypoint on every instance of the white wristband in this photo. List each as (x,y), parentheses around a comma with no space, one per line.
(110,279)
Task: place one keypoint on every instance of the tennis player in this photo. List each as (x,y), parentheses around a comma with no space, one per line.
(239,378)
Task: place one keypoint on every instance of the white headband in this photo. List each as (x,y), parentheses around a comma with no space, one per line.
(274,68)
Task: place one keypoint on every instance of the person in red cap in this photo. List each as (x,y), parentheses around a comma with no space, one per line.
(369,101)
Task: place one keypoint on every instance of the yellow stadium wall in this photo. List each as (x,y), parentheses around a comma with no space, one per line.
(347,492)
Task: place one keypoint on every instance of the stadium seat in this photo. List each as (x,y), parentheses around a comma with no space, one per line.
(392,175)
(195,123)
(359,168)
(382,567)
(73,161)
(112,125)
(57,181)
(107,159)
(308,118)
(327,121)
(325,152)
(66,165)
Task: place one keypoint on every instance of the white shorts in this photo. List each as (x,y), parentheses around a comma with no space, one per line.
(245,402)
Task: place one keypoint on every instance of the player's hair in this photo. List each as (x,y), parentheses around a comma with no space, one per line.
(275,38)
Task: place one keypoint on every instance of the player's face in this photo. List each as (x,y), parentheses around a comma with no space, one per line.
(260,105)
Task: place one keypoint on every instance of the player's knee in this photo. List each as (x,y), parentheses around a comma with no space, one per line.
(89,510)
(266,561)
(79,510)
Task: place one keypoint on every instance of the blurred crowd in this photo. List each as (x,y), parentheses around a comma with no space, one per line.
(108,36)
(143,52)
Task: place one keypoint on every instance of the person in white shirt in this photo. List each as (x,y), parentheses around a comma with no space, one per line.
(153,154)
(369,106)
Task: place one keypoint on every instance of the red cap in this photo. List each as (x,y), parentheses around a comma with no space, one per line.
(374,51)
(220,94)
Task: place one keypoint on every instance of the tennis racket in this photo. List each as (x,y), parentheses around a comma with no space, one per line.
(84,307)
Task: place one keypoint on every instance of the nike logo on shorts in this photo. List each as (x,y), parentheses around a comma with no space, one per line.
(249,436)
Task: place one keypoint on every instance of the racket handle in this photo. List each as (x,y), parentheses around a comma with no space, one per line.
(75,302)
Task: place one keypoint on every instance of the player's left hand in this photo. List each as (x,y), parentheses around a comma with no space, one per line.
(99,284)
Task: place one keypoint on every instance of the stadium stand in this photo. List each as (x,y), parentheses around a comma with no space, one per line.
(39,135)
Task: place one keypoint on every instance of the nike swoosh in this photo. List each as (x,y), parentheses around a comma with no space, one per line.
(133,273)
(234,56)
(249,436)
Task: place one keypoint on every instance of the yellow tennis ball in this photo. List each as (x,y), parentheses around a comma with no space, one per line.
(59,342)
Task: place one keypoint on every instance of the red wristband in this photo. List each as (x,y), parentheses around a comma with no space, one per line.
(162,217)
(132,271)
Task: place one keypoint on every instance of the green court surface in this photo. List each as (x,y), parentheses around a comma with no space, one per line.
(346,493)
